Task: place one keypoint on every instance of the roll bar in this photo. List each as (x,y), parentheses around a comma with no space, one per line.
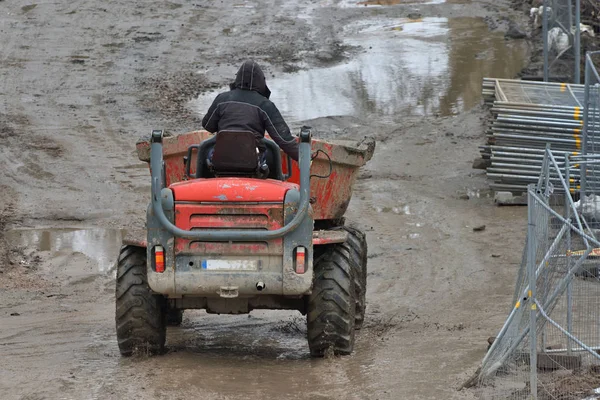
(219,235)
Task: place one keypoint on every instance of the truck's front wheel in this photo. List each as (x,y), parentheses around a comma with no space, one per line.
(140,314)
(331,306)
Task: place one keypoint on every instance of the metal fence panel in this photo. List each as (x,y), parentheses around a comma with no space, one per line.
(547,348)
(561,38)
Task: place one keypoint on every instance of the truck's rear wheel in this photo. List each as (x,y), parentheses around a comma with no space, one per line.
(331,306)
(357,244)
(140,314)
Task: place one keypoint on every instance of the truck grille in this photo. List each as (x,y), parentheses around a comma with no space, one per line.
(254,216)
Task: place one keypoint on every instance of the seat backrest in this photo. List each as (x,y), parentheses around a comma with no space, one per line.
(235,152)
(272,158)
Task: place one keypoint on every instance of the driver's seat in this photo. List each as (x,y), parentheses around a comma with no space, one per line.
(234,153)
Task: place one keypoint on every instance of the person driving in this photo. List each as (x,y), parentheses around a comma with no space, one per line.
(246,107)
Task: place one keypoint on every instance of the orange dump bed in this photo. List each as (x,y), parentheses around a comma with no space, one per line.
(330,196)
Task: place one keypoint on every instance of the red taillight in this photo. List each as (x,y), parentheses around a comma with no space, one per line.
(159,258)
(300,260)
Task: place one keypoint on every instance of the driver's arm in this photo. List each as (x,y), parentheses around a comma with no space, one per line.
(279,131)
(210,122)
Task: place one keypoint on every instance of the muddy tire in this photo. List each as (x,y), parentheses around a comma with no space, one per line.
(174,317)
(331,306)
(140,314)
(357,245)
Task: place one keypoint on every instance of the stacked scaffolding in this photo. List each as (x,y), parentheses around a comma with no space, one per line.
(527,117)
(591,137)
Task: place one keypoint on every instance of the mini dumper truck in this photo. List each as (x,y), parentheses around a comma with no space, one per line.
(229,236)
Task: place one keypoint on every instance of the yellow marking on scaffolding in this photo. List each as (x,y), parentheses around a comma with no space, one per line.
(571,180)
(577,141)
(518,304)
(529,293)
(577,130)
(577,113)
(576,166)
(534,306)
(593,253)
(574,153)
(563,87)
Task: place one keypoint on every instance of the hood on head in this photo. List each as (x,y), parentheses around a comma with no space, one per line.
(251,77)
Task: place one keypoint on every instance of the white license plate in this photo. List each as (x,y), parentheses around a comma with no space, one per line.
(229,265)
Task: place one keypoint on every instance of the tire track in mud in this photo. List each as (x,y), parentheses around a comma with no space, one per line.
(6,213)
(13,118)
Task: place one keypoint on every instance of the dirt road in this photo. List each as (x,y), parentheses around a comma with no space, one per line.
(81,81)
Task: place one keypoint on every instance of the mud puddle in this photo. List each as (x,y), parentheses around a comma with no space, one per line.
(101,246)
(247,349)
(430,66)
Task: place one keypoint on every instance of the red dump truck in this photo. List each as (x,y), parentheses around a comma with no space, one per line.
(229,242)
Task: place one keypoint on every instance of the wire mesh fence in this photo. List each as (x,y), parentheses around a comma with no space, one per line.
(560,21)
(547,349)
(549,346)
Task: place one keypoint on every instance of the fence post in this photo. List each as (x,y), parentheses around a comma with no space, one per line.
(570,286)
(546,193)
(531,261)
(577,41)
(545,39)
(584,133)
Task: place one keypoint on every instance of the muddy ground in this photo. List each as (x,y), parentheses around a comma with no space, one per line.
(81,81)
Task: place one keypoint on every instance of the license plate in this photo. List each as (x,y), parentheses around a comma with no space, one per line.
(230,265)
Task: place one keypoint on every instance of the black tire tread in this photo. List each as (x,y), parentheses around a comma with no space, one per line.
(139,313)
(357,245)
(331,306)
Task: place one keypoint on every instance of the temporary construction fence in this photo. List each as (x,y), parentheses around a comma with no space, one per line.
(561,37)
(548,347)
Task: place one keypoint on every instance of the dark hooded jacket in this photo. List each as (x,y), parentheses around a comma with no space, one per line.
(246,107)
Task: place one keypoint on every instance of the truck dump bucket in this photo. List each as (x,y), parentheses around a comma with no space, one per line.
(334,170)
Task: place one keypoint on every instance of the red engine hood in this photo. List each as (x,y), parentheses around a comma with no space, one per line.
(231,190)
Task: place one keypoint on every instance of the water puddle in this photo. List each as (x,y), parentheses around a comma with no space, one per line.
(100,245)
(402,210)
(382,3)
(244,349)
(394,2)
(429,66)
